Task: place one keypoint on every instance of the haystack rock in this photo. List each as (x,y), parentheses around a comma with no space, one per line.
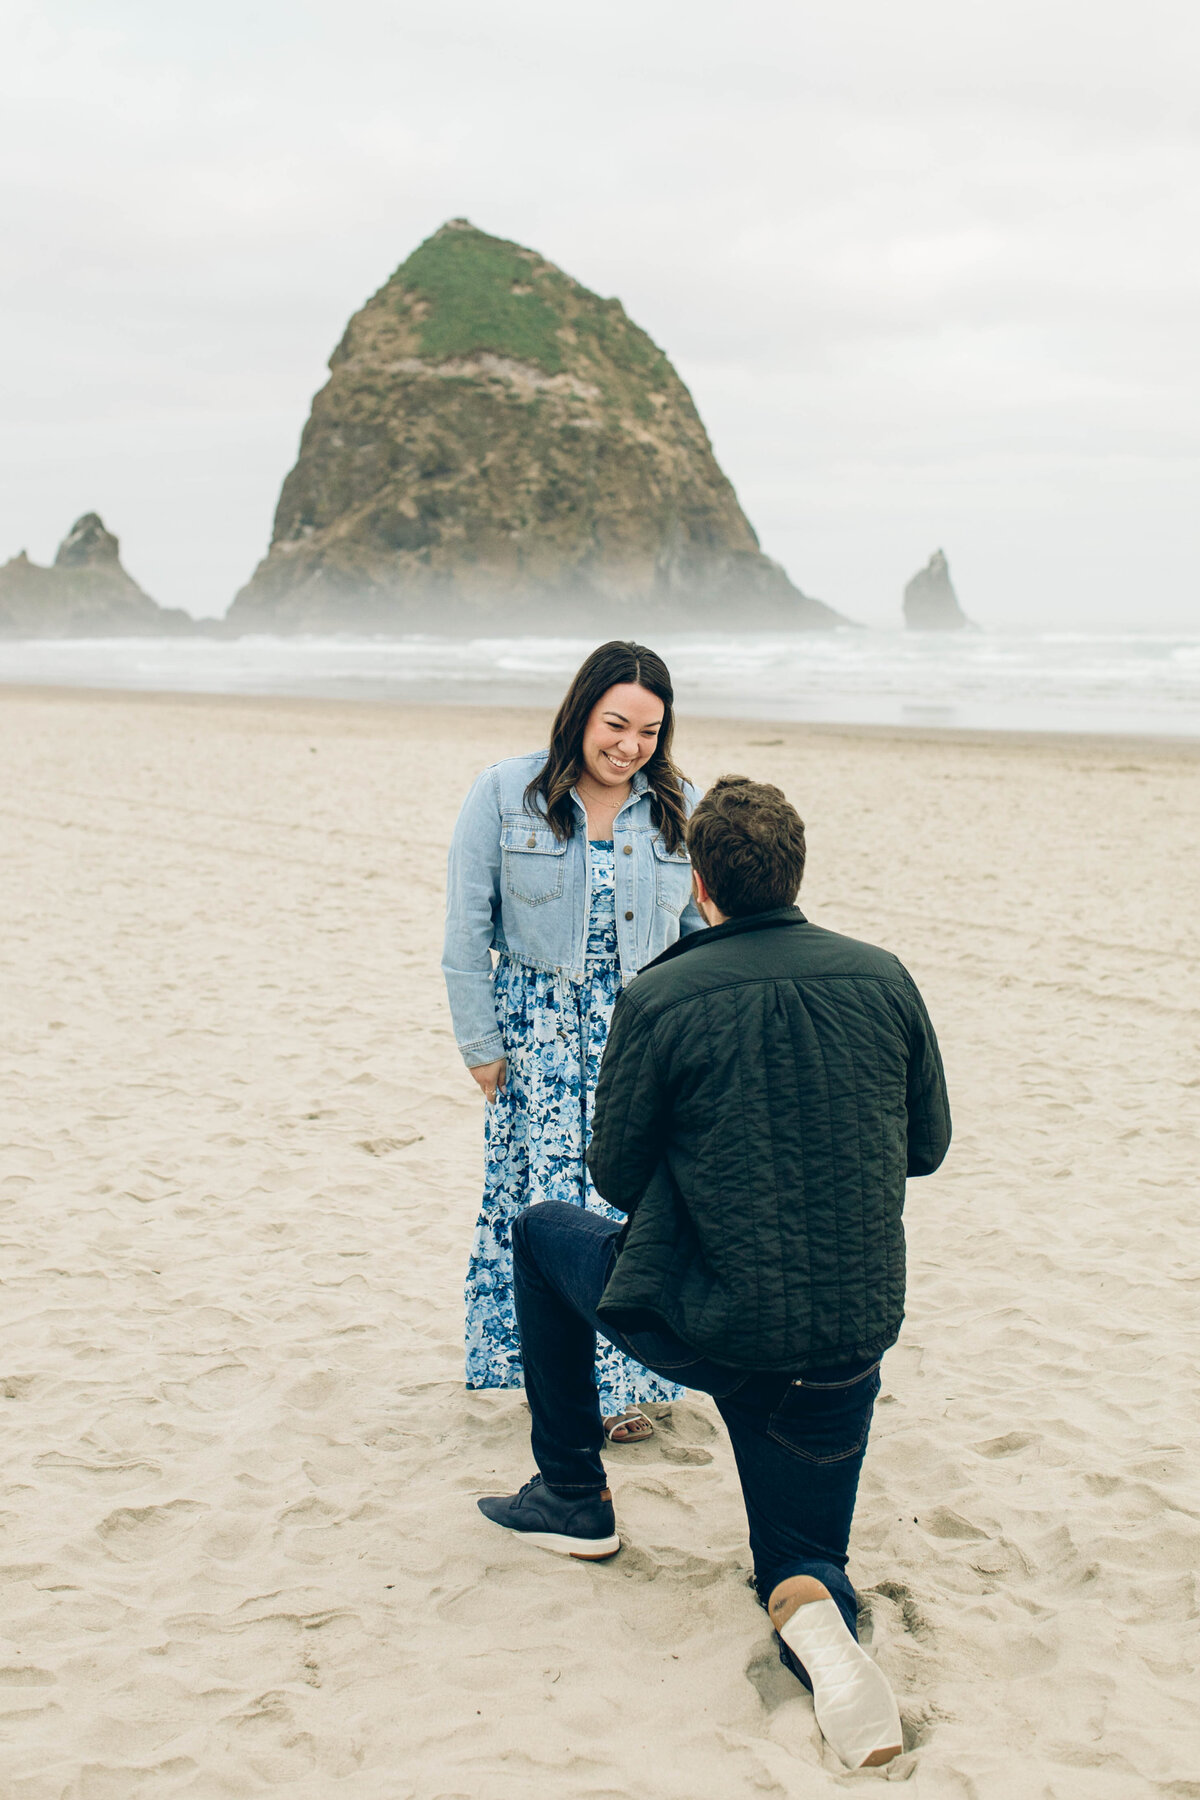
(930,602)
(86,593)
(497,449)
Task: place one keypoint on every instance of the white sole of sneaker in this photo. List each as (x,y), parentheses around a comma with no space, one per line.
(855,1707)
(582,1549)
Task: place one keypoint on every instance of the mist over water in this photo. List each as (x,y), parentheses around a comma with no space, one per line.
(1052,681)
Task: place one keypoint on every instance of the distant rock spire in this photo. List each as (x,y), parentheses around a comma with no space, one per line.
(88,546)
(930,602)
(85,593)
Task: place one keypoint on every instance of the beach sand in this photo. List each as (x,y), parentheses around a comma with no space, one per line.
(239,1167)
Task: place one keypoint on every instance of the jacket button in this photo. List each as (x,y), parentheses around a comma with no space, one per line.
(629,850)
(531,842)
(629,915)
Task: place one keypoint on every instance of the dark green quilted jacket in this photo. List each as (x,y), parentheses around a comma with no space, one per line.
(767,1088)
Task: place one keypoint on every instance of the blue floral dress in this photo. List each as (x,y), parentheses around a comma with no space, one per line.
(536,1135)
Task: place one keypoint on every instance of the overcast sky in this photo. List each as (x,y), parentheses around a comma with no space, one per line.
(930,270)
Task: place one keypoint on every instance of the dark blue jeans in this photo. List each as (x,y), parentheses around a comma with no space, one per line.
(799,1442)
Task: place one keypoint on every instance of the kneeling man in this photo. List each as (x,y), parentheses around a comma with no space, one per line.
(766,1089)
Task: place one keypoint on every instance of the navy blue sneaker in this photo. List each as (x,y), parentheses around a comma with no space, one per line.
(582,1526)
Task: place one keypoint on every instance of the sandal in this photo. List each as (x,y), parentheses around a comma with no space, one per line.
(630,1427)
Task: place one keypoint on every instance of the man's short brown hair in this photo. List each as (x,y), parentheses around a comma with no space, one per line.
(747,845)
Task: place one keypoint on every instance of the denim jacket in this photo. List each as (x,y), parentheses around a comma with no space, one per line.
(512,886)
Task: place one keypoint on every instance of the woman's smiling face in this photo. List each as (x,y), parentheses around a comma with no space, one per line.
(621,734)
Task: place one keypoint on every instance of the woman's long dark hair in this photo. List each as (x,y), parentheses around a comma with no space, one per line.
(611,666)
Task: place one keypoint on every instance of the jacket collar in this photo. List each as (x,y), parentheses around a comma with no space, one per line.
(763,921)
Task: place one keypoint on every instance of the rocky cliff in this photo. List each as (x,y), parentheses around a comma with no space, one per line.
(86,593)
(499,449)
(930,602)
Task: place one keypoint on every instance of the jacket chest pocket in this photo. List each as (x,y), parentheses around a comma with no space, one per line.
(672,876)
(534,862)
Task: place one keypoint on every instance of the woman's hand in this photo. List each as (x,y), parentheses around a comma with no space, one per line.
(490,1078)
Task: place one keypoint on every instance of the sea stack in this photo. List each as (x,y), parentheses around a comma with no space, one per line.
(86,593)
(498,450)
(930,602)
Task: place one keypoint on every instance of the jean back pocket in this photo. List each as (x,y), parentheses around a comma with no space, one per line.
(826,1421)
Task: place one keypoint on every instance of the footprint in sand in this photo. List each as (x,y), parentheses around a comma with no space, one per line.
(1008,1445)
(218,1389)
(943,1522)
(661,1534)
(911,1619)
(30,1677)
(19,1387)
(774,1685)
(137,1533)
(83,1474)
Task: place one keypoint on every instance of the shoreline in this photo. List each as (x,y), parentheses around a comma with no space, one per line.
(383,705)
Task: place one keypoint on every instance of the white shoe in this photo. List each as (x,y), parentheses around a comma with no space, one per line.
(855,1707)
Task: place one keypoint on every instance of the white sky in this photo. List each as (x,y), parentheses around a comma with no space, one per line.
(930,270)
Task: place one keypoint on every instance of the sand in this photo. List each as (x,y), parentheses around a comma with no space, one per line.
(239,1165)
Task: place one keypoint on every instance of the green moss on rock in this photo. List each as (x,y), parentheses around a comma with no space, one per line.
(483,293)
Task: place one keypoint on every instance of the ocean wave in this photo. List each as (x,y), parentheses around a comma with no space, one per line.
(1068,681)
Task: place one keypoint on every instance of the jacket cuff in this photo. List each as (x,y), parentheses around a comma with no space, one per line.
(483,1051)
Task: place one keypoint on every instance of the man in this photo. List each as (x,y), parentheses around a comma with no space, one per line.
(766,1089)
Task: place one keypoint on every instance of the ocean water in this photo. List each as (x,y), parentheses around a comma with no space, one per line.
(1051,681)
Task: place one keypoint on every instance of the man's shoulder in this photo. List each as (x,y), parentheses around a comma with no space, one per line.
(788,950)
(833,952)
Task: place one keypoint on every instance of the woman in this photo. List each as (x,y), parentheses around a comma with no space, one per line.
(569,864)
